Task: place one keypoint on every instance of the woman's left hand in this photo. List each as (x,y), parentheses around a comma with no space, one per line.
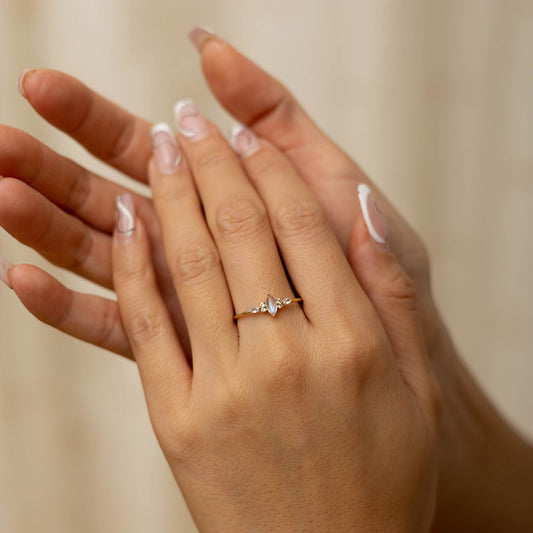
(320,418)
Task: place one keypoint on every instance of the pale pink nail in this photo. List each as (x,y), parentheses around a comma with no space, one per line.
(125,217)
(5,267)
(21,79)
(374,219)
(191,123)
(244,140)
(166,150)
(200,35)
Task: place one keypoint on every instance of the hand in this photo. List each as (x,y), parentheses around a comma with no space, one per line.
(320,419)
(67,214)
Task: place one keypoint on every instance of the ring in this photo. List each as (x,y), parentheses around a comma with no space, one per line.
(271,305)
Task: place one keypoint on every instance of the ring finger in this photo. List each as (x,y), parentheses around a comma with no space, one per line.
(235,213)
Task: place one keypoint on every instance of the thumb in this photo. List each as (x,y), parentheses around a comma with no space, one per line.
(392,294)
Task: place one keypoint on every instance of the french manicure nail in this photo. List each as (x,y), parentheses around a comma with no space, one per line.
(189,120)
(200,35)
(5,267)
(166,150)
(374,219)
(244,140)
(21,79)
(125,217)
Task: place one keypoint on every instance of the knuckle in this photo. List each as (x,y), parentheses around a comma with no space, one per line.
(230,406)
(122,141)
(286,370)
(213,158)
(240,217)
(196,261)
(81,246)
(299,217)
(179,437)
(401,288)
(145,326)
(108,325)
(268,165)
(355,354)
(78,191)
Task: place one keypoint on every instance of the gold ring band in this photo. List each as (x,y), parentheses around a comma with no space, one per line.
(271,305)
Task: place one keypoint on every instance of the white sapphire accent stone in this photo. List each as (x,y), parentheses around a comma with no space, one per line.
(272,305)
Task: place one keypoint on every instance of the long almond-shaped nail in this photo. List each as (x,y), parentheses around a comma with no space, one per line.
(21,79)
(125,217)
(190,121)
(374,219)
(244,140)
(5,267)
(166,150)
(200,35)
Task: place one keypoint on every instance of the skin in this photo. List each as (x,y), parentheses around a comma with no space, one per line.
(486,468)
(292,423)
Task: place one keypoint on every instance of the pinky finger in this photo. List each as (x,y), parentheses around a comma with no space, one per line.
(87,317)
(392,294)
(163,366)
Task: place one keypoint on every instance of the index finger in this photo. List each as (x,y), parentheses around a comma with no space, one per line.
(108,131)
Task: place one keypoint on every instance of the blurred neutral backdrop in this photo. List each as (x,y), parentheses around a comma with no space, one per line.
(432,98)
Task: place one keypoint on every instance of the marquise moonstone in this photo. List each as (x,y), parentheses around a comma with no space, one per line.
(272,305)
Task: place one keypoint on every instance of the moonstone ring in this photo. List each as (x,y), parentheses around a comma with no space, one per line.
(271,305)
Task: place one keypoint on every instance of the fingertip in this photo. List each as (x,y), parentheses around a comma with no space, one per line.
(200,35)
(126,224)
(5,268)
(22,80)
(375,220)
(39,292)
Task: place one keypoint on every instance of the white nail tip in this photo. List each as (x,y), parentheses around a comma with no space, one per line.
(162,127)
(181,105)
(181,112)
(207,29)
(364,194)
(235,131)
(125,212)
(5,266)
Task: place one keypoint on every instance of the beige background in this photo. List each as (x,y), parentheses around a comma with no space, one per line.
(434,99)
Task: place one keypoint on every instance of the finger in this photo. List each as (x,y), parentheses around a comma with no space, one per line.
(63,182)
(261,102)
(234,211)
(111,133)
(87,317)
(191,254)
(59,237)
(252,96)
(311,252)
(392,293)
(163,367)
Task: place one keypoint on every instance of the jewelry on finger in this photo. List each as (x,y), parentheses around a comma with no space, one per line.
(270,305)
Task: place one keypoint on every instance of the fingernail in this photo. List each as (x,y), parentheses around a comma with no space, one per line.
(190,121)
(21,79)
(244,140)
(125,217)
(374,219)
(200,35)
(166,151)
(5,267)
